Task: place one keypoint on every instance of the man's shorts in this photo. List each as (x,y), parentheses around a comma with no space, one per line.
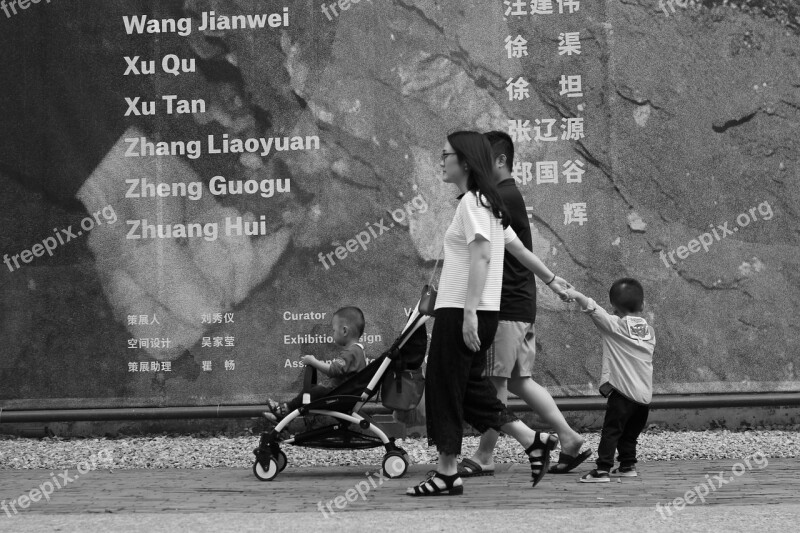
(514,350)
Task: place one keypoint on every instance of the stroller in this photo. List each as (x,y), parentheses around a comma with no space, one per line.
(344,403)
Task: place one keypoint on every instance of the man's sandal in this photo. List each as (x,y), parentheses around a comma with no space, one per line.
(540,463)
(438,485)
(470,468)
(568,463)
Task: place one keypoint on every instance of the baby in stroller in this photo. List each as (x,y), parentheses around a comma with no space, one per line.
(352,428)
(348,326)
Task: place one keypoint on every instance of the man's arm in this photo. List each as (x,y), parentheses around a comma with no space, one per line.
(534,264)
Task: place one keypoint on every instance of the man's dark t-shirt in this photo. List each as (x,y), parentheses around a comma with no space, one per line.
(518,297)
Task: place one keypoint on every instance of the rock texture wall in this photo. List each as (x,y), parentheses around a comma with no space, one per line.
(691,120)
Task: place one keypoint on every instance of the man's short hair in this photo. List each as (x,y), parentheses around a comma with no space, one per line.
(627,295)
(502,145)
(353,317)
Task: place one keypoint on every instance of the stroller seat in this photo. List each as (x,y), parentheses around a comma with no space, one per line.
(351,388)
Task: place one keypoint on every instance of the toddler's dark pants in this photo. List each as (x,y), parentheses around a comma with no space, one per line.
(624,421)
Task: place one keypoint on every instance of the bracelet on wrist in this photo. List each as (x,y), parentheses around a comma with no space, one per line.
(552,280)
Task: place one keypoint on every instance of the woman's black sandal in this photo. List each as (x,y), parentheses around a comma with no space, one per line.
(430,488)
(540,463)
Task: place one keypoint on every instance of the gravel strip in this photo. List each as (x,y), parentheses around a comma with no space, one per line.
(214,452)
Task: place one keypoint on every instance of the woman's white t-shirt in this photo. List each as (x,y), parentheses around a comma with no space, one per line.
(472,219)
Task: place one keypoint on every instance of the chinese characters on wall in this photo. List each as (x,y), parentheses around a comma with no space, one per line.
(569,172)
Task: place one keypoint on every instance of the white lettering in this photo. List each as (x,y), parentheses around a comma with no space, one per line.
(289,315)
(140,25)
(213,22)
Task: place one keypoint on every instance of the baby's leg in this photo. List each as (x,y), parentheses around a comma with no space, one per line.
(316,392)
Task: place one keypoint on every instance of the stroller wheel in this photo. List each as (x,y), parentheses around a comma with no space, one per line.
(395,464)
(282,460)
(268,474)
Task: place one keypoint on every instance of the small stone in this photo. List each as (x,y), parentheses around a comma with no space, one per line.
(636,223)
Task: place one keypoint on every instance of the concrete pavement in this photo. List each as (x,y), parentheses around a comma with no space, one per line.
(740,497)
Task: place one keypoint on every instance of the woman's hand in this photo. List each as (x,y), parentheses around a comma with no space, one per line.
(470,330)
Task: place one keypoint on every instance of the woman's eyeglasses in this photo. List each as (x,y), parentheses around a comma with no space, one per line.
(445,154)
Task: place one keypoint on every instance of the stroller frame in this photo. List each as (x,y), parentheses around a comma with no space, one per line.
(345,408)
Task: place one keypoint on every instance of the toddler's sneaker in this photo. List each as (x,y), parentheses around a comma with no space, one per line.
(595,476)
(624,471)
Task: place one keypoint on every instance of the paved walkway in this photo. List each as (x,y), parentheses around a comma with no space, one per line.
(306,499)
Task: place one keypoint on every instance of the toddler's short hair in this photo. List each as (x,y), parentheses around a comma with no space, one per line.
(353,316)
(627,295)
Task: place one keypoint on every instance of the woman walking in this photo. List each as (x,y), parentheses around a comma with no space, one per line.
(467,309)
